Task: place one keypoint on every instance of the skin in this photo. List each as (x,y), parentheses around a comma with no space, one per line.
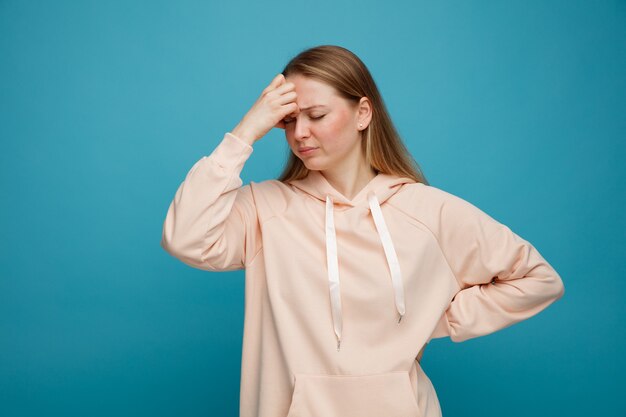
(283,104)
(334,130)
(337,135)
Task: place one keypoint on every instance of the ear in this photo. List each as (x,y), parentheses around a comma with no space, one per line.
(364,113)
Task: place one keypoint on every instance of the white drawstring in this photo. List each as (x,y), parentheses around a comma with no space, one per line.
(390,254)
(333,266)
(333,270)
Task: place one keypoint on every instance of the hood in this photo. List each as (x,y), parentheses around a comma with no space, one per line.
(382,185)
(376,192)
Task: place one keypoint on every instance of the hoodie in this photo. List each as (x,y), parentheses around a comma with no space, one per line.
(342,294)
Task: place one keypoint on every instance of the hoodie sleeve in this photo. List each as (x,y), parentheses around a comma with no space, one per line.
(503,279)
(212,221)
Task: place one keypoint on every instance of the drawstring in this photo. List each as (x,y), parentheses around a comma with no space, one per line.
(333,268)
(390,254)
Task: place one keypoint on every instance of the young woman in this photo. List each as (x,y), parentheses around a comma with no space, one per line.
(353,261)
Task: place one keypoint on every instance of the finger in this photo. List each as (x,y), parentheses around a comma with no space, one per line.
(290,109)
(284,88)
(278,80)
(287,98)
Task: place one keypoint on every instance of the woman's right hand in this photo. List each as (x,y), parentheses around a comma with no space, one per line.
(277,101)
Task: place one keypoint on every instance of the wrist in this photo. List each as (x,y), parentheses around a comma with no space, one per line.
(243,135)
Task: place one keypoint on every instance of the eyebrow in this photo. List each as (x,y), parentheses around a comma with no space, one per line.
(312,107)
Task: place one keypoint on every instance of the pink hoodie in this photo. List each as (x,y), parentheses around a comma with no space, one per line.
(341,295)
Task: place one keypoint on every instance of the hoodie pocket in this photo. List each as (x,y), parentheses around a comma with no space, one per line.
(375,395)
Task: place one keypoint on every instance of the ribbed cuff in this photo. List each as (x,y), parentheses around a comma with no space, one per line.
(231,151)
(239,139)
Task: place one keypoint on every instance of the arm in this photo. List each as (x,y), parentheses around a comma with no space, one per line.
(212,223)
(502,278)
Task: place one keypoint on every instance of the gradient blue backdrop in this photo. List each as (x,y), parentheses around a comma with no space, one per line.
(517,106)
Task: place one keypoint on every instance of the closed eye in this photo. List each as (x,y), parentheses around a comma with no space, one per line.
(291,120)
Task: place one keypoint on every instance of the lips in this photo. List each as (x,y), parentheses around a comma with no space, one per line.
(306,148)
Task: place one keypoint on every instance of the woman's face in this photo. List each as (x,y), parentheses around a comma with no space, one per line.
(324,121)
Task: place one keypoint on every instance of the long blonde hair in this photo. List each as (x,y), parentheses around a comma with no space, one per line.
(347,74)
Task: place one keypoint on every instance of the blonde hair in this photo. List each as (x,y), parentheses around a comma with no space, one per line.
(347,74)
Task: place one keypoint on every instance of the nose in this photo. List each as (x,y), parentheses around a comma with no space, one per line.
(301,129)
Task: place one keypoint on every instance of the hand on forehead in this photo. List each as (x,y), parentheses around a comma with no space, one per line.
(311,93)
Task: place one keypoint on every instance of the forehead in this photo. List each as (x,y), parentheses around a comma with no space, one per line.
(311,91)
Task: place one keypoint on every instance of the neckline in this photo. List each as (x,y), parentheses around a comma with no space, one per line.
(358,193)
(327,188)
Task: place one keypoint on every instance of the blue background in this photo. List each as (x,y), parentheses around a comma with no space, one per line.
(517,106)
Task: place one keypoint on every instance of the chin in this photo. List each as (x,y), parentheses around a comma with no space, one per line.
(316,163)
(312,165)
